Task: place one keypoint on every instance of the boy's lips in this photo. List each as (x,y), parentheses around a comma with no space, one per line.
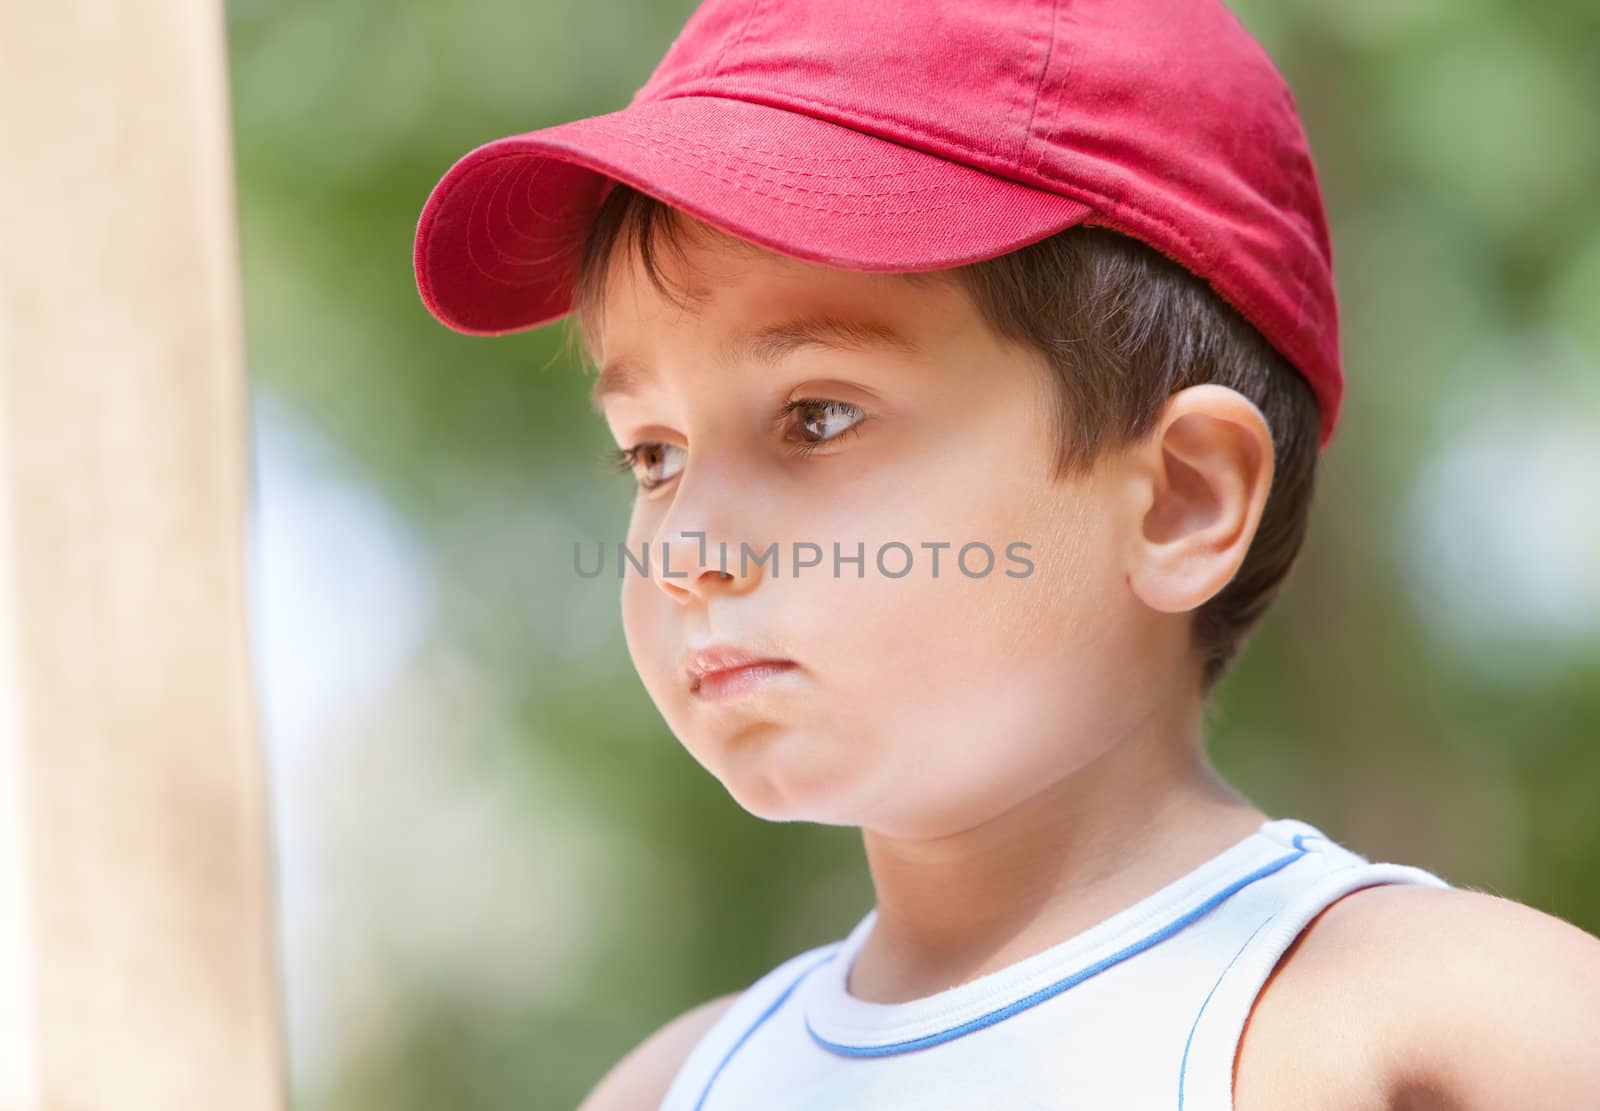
(718,671)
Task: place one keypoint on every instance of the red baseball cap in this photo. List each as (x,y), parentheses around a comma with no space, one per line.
(897,135)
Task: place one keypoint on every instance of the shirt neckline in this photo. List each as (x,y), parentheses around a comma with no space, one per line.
(840,1022)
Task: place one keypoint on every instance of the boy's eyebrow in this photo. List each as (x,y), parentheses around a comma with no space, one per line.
(770,343)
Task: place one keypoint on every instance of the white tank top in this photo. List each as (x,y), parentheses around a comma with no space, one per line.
(1142,1010)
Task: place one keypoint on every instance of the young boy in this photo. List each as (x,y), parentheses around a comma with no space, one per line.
(973,361)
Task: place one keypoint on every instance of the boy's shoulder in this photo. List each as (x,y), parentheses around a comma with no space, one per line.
(1397,996)
(642,1077)
(1407,996)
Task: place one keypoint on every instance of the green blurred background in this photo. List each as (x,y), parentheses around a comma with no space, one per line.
(498,870)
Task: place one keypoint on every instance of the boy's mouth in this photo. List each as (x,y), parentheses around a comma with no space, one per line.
(732,682)
(720,671)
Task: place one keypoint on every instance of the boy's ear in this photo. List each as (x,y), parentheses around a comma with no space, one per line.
(1200,481)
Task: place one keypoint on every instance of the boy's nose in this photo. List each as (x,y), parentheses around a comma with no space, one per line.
(691,563)
(696,551)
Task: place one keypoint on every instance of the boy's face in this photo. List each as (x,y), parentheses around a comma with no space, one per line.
(917,705)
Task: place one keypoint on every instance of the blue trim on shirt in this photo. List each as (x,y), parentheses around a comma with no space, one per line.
(1183,1065)
(766,1014)
(1037,997)
(1023,1004)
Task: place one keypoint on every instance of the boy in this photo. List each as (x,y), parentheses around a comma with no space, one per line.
(972,360)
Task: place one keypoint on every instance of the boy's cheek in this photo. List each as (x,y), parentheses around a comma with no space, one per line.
(645,631)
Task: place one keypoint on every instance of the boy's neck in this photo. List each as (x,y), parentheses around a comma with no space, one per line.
(1095,842)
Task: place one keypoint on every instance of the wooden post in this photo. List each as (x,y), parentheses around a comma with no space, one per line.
(138,970)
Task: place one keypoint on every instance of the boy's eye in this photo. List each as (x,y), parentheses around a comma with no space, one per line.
(820,421)
(816,422)
(651,463)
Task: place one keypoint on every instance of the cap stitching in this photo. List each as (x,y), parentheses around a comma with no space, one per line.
(1050,126)
(913,138)
(737,41)
(707,168)
(487,195)
(520,182)
(1038,86)
(694,147)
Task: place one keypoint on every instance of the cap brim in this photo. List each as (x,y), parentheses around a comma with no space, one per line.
(499,239)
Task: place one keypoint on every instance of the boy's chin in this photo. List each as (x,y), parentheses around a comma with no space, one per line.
(767,795)
(791,812)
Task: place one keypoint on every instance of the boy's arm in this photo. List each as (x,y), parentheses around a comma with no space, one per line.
(1481,1002)
(639,1081)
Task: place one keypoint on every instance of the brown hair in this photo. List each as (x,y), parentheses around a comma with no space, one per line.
(1123,327)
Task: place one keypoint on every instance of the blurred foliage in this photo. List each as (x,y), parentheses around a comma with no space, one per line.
(1459,149)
